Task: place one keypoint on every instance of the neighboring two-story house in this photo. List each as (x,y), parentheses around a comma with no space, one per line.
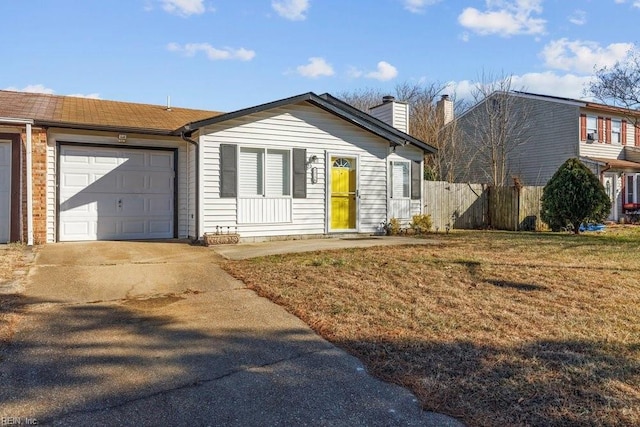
(554,129)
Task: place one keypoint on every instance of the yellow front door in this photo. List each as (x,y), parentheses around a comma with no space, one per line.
(343,193)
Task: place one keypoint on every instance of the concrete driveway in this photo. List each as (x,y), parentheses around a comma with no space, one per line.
(132,333)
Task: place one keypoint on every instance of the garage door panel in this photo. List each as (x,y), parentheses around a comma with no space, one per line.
(78,230)
(133,226)
(160,205)
(157,182)
(160,227)
(162,161)
(116,194)
(76,180)
(134,160)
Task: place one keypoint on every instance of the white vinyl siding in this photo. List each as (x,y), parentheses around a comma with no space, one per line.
(394,113)
(297,126)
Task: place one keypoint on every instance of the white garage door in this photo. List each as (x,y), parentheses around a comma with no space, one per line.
(115,194)
(5,190)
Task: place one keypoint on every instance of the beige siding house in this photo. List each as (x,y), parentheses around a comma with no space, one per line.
(604,138)
(83,169)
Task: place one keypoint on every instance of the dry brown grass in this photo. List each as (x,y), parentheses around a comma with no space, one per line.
(12,258)
(493,328)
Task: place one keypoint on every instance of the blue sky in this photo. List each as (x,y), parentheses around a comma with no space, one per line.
(226,55)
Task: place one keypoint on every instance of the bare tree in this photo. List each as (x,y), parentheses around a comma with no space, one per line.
(424,123)
(497,126)
(619,85)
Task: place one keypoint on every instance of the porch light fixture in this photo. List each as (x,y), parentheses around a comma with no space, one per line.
(312,159)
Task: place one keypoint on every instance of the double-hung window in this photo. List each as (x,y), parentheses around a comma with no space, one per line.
(592,128)
(264,172)
(400,180)
(633,188)
(616,131)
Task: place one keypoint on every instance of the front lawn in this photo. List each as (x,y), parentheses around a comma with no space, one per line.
(493,328)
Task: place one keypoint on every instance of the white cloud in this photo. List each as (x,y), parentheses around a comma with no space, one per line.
(505,18)
(214,54)
(384,72)
(354,73)
(582,56)
(547,83)
(418,6)
(550,83)
(293,10)
(317,67)
(578,17)
(635,3)
(88,95)
(184,7)
(37,88)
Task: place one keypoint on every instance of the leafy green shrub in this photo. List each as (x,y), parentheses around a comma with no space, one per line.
(573,196)
(421,223)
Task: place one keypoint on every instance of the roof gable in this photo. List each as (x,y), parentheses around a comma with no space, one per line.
(329,104)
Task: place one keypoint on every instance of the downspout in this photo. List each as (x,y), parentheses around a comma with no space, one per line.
(29,166)
(29,187)
(184,137)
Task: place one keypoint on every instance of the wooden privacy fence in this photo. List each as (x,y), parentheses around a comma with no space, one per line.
(473,206)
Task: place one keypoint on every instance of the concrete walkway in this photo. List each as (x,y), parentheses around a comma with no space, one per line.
(157,334)
(252,250)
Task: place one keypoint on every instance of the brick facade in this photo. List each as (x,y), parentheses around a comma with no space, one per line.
(39,188)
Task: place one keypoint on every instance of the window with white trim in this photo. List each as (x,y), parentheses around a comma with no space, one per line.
(264,172)
(616,131)
(633,188)
(400,180)
(592,127)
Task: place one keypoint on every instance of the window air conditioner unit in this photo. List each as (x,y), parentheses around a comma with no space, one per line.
(592,136)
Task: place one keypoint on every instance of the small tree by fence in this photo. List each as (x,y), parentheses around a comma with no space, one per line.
(474,206)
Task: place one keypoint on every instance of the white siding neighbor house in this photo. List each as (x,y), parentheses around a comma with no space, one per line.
(308,165)
(84,169)
(604,138)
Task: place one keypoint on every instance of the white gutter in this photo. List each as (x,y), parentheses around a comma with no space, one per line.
(28,123)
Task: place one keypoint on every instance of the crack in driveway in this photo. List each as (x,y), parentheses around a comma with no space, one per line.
(190,385)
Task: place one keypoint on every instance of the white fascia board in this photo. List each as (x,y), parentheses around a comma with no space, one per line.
(16,120)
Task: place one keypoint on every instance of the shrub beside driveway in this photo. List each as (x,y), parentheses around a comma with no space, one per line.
(495,328)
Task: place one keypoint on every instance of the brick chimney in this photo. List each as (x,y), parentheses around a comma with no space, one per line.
(444,110)
(392,112)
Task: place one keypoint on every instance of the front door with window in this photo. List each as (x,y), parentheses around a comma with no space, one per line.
(609,181)
(344,209)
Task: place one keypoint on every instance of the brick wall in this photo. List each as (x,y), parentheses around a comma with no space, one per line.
(39,188)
